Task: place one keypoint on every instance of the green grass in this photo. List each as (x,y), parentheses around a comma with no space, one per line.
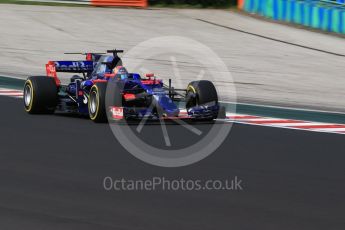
(187,6)
(200,4)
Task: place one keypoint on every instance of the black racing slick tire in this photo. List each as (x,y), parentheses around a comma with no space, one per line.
(40,95)
(200,93)
(96,104)
(114,93)
(114,98)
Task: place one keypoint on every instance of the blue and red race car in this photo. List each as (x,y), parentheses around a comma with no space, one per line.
(104,90)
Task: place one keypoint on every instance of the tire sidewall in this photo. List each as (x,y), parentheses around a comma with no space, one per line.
(99,90)
(28,108)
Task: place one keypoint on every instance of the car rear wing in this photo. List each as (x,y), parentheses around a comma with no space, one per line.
(52,67)
(72,66)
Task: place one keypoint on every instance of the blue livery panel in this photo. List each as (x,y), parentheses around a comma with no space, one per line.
(74,66)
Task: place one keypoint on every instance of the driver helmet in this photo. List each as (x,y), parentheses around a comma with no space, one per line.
(121,72)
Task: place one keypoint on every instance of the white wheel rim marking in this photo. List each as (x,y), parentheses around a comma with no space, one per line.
(27,95)
(93,104)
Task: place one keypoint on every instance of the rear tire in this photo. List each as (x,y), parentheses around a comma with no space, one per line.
(40,95)
(97,110)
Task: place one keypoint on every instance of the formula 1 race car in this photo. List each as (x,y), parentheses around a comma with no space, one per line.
(105,90)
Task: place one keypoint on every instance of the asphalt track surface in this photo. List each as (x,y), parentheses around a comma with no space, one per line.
(52,170)
(270,63)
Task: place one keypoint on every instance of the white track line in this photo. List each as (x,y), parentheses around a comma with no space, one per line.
(11,92)
(284,108)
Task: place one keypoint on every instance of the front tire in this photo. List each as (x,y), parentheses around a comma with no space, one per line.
(97,111)
(201,93)
(40,95)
